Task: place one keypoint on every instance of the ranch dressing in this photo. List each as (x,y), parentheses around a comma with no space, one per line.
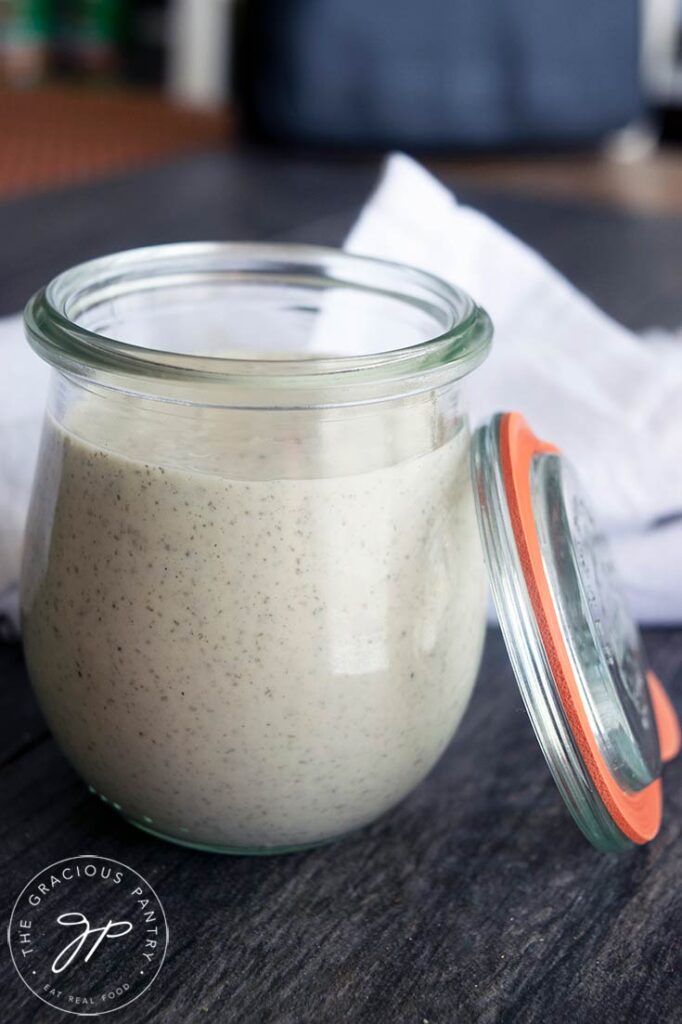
(244,661)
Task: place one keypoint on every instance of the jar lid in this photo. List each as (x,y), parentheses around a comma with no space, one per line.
(603,720)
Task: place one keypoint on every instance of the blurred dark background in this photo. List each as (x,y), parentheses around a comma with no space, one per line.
(572,98)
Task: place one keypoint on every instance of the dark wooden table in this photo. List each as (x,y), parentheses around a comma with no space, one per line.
(475,900)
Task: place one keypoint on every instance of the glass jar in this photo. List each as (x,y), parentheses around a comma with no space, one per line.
(253,592)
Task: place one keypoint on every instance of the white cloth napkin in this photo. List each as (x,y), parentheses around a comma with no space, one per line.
(23,393)
(610,401)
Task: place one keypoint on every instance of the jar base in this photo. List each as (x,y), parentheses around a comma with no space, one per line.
(232,851)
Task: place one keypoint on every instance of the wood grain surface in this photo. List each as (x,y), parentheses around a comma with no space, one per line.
(55,134)
(476,900)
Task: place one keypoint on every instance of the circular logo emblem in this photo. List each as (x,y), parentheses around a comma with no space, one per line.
(88,935)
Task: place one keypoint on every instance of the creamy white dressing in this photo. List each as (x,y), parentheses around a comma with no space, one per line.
(251,662)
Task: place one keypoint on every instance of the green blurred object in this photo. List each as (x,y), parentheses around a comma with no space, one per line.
(27,20)
(26,30)
(81,37)
(99,21)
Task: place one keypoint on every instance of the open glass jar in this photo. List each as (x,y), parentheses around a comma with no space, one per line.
(253,594)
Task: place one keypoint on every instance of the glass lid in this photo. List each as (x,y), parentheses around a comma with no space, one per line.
(602,719)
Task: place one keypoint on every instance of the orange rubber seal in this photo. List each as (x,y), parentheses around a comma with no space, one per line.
(667,722)
(637,815)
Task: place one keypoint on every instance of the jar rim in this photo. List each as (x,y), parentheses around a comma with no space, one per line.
(52,329)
